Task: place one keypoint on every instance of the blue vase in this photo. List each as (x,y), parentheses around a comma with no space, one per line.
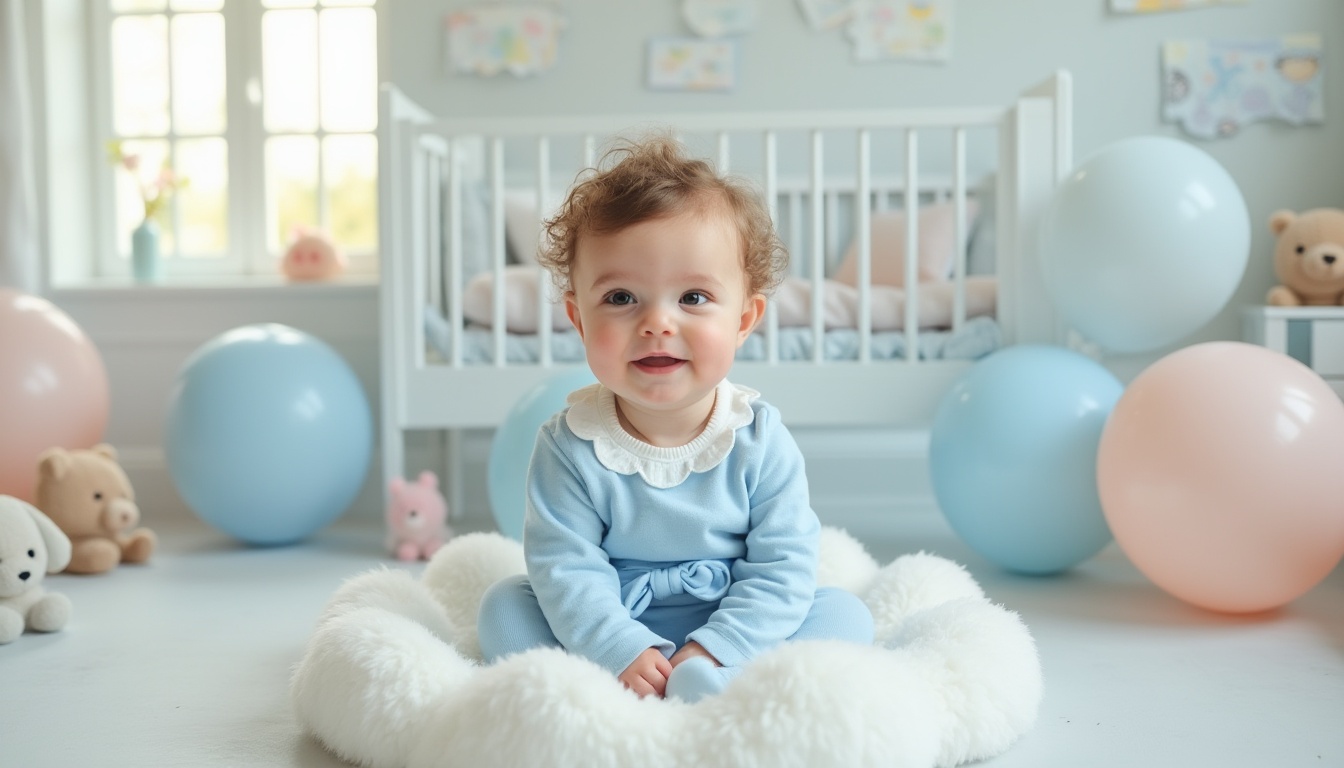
(145,251)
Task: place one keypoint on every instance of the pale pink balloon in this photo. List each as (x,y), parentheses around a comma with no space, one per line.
(1221,474)
(53,388)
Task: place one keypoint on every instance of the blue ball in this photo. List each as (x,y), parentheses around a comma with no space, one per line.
(269,434)
(1143,243)
(511,449)
(1013,457)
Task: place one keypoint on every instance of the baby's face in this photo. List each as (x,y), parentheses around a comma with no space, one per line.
(662,308)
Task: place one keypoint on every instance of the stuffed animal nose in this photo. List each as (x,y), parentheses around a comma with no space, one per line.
(121,514)
(24,576)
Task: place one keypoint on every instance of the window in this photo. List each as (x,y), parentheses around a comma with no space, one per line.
(268,109)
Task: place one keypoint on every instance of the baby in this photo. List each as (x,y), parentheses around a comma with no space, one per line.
(669,535)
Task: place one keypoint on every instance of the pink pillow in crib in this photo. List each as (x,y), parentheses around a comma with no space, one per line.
(521,283)
(937,245)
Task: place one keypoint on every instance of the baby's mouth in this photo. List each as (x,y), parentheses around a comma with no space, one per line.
(658,363)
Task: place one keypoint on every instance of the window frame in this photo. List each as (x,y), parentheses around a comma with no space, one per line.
(246,256)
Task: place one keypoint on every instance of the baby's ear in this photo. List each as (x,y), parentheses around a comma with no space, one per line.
(751,316)
(572,311)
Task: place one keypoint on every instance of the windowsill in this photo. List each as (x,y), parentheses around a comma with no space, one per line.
(121,288)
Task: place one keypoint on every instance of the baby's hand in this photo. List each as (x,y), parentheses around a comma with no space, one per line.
(647,674)
(691,650)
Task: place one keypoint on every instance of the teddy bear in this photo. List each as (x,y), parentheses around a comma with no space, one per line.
(87,495)
(416,517)
(31,546)
(1308,258)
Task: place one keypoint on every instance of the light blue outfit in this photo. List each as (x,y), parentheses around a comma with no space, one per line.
(630,546)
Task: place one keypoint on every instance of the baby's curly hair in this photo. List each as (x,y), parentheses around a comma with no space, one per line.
(638,181)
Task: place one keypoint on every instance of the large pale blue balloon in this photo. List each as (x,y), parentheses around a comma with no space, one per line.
(269,434)
(1144,243)
(1013,457)
(511,449)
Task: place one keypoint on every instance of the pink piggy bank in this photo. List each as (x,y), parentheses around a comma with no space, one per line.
(416,518)
(312,256)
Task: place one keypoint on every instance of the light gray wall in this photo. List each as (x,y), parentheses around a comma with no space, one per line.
(999,47)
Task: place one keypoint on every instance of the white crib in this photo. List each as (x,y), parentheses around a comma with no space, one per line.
(427,162)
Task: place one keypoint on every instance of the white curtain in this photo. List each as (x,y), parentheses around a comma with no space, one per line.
(19,266)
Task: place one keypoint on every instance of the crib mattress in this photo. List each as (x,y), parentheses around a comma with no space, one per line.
(976,338)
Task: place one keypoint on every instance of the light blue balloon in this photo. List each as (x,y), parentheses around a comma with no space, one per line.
(269,434)
(1013,457)
(1143,243)
(511,449)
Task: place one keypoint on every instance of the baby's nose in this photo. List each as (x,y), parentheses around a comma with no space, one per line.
(657,322)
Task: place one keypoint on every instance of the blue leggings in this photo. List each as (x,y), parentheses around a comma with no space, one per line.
(510,621)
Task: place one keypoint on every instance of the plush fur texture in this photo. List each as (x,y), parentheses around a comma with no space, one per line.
(392,677)
(31,546)
(86,493)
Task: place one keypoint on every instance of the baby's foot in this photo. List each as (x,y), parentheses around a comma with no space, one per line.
(698,677)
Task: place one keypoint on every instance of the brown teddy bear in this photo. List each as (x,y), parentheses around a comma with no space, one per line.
(1308,258)
(86,493)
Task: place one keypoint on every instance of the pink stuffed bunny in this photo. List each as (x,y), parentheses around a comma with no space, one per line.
(416,518)
(312,255)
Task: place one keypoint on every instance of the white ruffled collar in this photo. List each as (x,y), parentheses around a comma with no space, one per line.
(592,416)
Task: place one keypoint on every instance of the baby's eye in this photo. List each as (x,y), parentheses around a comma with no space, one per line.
(620,298)
(694,298)
(97,495)
(1300,249)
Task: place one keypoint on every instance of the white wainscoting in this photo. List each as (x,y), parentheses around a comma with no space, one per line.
(860,479)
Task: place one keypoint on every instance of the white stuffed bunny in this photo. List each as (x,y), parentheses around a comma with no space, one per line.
(31,546)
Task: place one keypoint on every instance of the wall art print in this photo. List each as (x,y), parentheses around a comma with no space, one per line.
(1214,87)
(901,29)
(692,64)
(488,40)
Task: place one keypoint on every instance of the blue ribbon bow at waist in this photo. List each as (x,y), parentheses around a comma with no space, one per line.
(704,579)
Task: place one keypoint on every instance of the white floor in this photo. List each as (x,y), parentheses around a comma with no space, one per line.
(186,661)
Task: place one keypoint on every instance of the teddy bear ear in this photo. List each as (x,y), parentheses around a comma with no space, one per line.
(1279,221)
(106,451)
(53,463)
(429,479)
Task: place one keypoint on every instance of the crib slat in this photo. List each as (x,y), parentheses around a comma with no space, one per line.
(832,252)
(724,159)
(911,246)
(543,205)
(419,227)
(497,316)
(771,197)
(436,203)
(818,251)
(863,232)
(455,253)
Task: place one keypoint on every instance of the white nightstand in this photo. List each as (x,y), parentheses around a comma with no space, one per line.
(1313,335)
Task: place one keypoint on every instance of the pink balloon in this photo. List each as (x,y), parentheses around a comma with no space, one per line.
(53,388)
(1220,475)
